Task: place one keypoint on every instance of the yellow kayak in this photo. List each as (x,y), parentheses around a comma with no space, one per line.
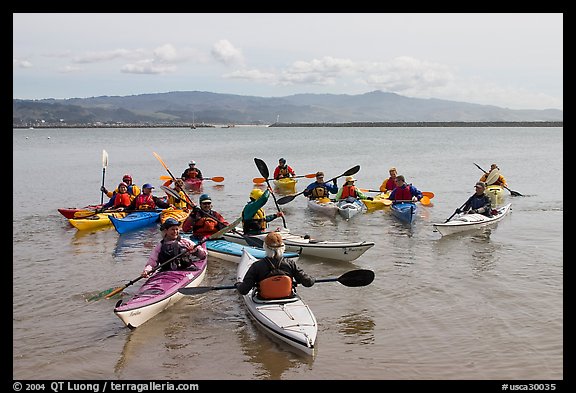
(286,184)
(98,220)
(380,201)
(178,214)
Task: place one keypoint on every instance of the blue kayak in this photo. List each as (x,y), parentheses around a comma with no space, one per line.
(135,220)
(230,251)
(404,211)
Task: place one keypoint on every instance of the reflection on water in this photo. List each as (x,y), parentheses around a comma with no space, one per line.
(357,327)
(272,357)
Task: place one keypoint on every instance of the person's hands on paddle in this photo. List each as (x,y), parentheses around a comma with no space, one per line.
(280,214)
(414,199)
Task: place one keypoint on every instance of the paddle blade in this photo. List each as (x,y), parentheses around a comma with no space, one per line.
(262,167)
(353,278)
(351,171)
(285,199)
(217,179)
(114,292)
(160,159)
(258,180)
(429,194)
(104,159)
(425,200)
(310,176)
(100,295)
(165,178)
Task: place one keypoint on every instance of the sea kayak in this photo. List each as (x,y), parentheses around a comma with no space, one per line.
(286,185)
(135,220)
(95,221)
(289,319)
(194,184)
(349,208)
(158,293)
(465,222)
(404,211)
(324,206)
(177,214)
(79,212)
(380,201)
(230,251)
(305,245)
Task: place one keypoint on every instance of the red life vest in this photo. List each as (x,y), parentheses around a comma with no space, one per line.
(144,202)
(390,184)
(402,193)
(349,191)
(122,200)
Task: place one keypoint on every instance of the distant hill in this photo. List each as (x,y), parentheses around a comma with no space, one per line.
(188,107)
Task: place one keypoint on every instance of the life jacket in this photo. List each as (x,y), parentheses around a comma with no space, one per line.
(180,203)
(170,250)
(203,225)
(256,223)
(403,193)
(390,184)
(283,171)
(122,200)
(348,191)
(319,191)
(276,285)
(191,173)
(145,202)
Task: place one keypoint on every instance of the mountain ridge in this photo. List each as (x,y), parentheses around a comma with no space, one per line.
(181,108)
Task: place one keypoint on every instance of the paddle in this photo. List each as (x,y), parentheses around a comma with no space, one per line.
(263,168)
(455,212)
(260,180)
(217,179)
(173,178)
(353,278)
(254,242)
(513,193)
(113,291)
(289,198)
(104,165)
(429,194)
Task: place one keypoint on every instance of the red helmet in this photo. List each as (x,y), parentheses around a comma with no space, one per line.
(126,177)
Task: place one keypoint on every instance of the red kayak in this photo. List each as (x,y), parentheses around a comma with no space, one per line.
(194,184)
(78,212)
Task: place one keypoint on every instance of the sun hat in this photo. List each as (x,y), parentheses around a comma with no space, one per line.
(350,178)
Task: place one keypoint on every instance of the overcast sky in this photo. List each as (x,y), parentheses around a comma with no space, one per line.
(509,60)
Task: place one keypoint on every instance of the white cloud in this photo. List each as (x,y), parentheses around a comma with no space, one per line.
(21,63)
(101,56)
(224,52)
(147,67)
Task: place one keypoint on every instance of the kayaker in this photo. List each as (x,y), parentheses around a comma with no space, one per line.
(254,219)
(132,190)
(319,189)
(121,199)
(203,221)
(478,203)
(171,245)
(146,201)
(192,172)
(180,203)
(274,276)
(389,183)
(500,181)
(283,170)
(349,190)
(404,191)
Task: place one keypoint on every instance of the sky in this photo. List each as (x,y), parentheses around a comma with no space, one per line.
(508,60)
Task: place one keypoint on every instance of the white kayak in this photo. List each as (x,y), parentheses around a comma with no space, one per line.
(349,208)
(465,222)
(305,245)
(289,320)
(324,206)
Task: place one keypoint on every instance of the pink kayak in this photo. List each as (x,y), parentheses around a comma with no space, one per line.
(159,292)
(194,184)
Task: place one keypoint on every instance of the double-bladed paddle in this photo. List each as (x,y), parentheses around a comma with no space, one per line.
(217,179)
(353,278)
(263,168)
(104,165)
(289,198)
(252,241)
(429,194)
(513,193)
(113,291)
(260,180)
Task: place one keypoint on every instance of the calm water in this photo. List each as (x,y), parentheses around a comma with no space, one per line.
(487,305)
